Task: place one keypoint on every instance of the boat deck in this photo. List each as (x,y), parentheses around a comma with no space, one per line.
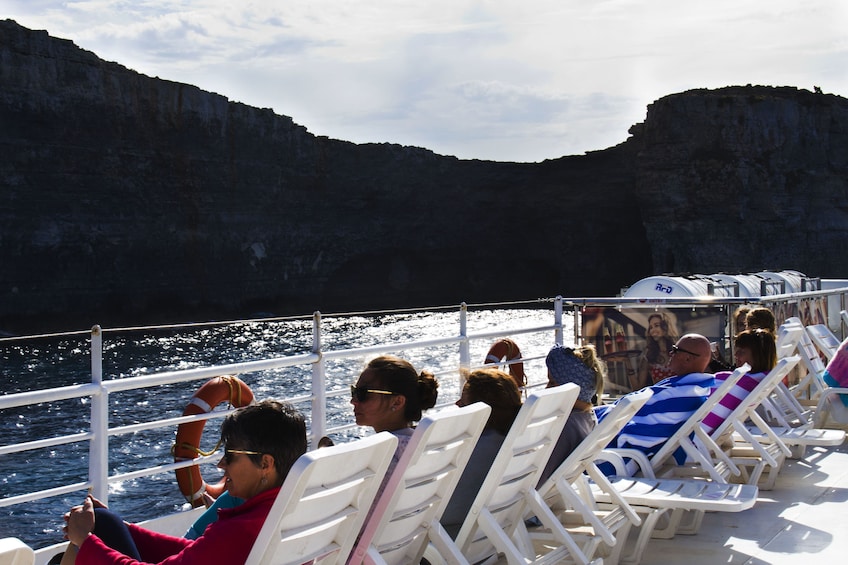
(800,519)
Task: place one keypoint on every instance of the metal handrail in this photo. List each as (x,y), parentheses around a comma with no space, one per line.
(100,389)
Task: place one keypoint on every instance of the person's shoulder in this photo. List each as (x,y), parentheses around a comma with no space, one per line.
(403,432)
(692,377)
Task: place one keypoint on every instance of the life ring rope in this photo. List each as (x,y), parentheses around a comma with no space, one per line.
(194,449)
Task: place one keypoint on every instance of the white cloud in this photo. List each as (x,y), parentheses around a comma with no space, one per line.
(497,79)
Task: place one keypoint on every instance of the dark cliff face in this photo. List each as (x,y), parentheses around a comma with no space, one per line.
(746,177)
(128,199)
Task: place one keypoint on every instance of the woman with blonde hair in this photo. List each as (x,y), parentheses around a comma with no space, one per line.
(583,367)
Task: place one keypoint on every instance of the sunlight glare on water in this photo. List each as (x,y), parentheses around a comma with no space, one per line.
(65,361)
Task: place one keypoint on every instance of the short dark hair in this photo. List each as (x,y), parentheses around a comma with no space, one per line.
(269,427)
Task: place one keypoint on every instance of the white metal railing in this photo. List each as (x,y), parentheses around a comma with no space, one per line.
(99,390)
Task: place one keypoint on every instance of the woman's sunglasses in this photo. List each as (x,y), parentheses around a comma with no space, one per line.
(360,393)
(228,454)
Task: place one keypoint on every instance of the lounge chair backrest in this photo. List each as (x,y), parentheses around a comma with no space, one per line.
(748,406)
(683,438)
(582,460)
(323,502)
(15,552)
(788,337)
(506,493)
(420,487)
(587,450)
(824,339)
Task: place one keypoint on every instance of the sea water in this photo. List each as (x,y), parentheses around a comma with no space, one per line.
(63,361)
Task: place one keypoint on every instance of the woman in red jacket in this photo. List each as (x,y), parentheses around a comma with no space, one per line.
(261,443)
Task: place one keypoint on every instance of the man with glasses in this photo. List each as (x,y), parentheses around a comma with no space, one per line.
(674,400)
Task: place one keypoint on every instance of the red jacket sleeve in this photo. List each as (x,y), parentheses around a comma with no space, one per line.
(228,540)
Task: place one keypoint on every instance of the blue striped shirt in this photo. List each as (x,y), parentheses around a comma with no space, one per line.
(675,399)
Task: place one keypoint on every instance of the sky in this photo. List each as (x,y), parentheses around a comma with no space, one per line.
(504,80)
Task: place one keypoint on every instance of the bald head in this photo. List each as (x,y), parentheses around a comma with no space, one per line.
(691,354)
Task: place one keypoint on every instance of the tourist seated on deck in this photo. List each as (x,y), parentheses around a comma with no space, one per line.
(718,363)
(674,400)
(390,396)
(758,349)
(739,317)
(761,318)
(226,500)
(836,372)
(499,390)
(582,367)
(261,443)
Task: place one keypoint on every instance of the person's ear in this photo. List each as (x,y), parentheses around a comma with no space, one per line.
(267,461)
(398,402)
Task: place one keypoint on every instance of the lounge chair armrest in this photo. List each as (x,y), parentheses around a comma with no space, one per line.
(827,394)
(617,456)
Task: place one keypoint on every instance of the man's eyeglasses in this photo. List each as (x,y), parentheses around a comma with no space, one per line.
(360,393)
(228,454)
(675,349)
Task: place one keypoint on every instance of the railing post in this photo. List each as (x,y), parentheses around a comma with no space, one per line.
(98,456)
(319,392)
(464,346)
(558,320)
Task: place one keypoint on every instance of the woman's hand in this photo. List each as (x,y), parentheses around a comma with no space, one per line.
(80,521)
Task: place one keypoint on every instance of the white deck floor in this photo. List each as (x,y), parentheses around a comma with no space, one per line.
(803,520)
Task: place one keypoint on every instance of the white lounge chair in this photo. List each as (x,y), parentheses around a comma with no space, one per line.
(573,500)
(419,489)
(686,499)
(15,552)
(710,456)
(796,421)
(763,451)
(495,523)
(703,454)
(323,503)
(680,502)
(824,339)
(823,401)
(705,458)
(799,413)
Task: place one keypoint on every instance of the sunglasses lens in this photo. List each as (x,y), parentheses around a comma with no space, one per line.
(357,393)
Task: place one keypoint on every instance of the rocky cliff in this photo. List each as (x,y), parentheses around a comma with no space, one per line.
(129,199)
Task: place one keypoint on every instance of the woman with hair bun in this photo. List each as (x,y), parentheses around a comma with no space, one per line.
(390,396)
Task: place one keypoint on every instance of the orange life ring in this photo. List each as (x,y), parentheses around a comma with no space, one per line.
(229,389)
(506,350)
